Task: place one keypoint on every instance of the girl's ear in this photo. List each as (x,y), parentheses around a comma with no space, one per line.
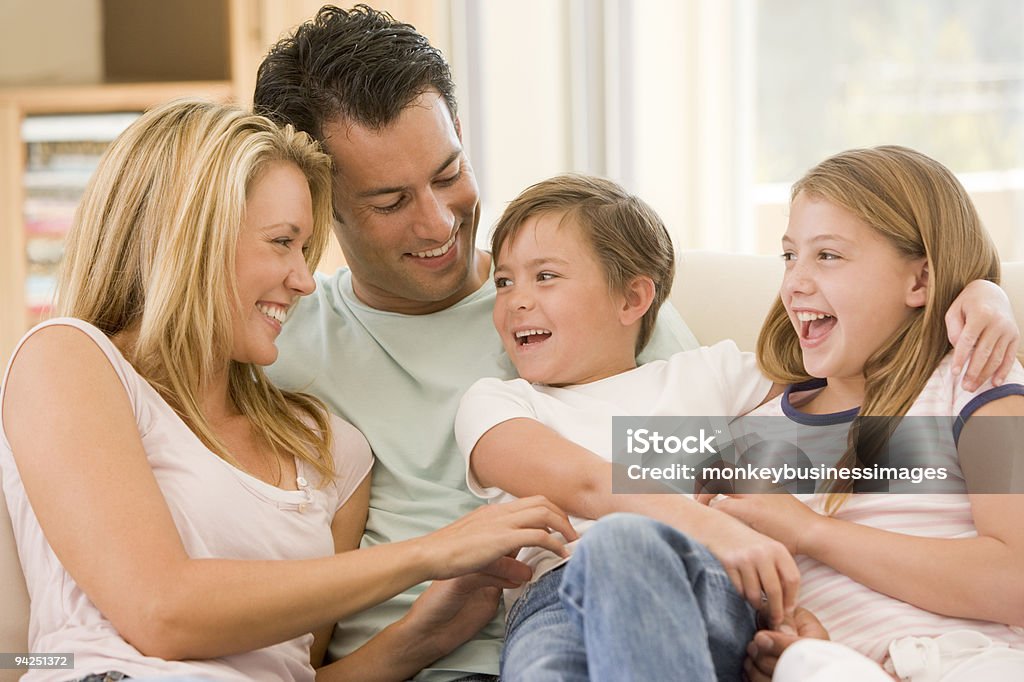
(637,299)
(917,296)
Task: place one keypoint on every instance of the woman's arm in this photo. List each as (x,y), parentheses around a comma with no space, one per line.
(524,457)
(90,460)
(965,577)
(347,529)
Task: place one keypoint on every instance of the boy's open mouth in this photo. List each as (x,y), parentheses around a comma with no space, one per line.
(526,337)
(815,325)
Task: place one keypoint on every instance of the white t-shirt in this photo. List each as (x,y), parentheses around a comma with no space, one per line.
(852,613)
(712,381)
(220,512)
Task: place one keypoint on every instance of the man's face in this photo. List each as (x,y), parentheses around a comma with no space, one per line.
(408,206)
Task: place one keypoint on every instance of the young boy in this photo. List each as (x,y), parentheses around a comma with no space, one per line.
(581,267)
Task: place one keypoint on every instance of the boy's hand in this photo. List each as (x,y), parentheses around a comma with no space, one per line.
(981,326)
(764,650)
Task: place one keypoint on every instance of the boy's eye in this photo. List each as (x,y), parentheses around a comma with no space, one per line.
(502,282)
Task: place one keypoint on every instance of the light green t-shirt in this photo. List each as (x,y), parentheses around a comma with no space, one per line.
(398,379)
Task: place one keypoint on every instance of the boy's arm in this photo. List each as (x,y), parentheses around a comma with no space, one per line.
(524,457)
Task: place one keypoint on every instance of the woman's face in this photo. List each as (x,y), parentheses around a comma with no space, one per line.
(270,266)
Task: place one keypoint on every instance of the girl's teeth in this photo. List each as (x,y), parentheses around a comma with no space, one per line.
(810,317)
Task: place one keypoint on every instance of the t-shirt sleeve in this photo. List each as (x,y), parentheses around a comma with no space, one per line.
(966,403)
(353,459)
(743,386)
(670,336)
(487,403)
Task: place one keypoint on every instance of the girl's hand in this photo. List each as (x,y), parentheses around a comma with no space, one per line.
(982,327)
(777,515)
(764,650)
(495,532)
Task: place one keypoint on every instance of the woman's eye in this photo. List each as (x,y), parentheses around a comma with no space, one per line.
(284,241)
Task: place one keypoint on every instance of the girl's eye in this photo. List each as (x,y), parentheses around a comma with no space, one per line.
(501,282)
(788,256)
(825,255)
(545,276)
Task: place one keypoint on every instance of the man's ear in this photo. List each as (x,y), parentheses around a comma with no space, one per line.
(637,299)
(917,296)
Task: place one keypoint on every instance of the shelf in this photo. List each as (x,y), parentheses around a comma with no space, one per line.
(108,97)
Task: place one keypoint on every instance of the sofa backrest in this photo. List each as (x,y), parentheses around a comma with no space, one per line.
(726,295)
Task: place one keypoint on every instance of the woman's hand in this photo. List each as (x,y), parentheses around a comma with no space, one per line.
(494,531)
(777,515)
(981,327)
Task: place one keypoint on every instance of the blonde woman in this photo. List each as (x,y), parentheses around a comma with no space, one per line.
(925,580)
(176,515)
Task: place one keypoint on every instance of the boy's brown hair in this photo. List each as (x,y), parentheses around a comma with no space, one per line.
(628,237)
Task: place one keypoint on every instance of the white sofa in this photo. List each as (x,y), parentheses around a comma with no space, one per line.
(721,296)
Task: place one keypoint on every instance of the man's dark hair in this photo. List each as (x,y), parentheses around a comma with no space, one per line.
(360,65)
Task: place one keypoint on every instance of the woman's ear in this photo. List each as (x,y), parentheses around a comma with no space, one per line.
(917,295)
(637,299)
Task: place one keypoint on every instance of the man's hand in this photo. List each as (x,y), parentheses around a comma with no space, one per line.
(764,650)
(981,327)
(450,612)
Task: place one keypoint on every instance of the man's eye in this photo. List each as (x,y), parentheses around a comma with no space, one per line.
(450,180)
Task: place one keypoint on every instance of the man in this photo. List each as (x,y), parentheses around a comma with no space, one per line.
(392,342)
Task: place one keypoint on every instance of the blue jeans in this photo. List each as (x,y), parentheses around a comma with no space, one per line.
(638,601)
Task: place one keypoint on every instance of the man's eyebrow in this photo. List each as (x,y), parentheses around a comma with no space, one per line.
(395,190)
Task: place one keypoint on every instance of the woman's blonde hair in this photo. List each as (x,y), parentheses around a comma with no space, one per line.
(152,252)
(920,207)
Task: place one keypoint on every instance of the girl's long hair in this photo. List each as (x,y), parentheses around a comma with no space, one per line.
(152,252)
(920,207)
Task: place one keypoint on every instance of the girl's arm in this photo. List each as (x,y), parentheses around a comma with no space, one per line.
(964,577)
(76,444)
(524,457)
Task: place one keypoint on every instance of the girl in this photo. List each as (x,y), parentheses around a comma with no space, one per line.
(175,514)
(878,244)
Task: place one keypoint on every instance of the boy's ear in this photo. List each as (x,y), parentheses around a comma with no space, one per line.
(637,299)
(917,296)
